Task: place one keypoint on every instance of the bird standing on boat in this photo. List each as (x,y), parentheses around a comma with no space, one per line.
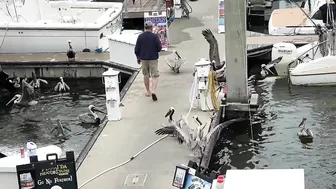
(71,53)
(61,86)
(91,117)
(305,134)
(25,98)
(36,83)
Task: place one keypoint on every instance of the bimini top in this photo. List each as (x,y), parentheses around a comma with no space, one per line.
(59,15)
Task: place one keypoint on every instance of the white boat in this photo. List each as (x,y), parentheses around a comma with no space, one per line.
(40,26)
(310,65)
(294,21)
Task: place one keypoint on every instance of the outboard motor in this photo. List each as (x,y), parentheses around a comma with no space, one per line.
(288,52)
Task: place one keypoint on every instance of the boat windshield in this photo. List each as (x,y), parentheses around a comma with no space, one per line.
(322,13)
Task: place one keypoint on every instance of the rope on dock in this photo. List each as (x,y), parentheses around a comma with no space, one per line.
(124,163)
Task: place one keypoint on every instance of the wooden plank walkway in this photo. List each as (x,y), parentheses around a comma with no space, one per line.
(137,9)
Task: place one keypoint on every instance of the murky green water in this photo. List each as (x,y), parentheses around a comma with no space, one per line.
(277,144)
(17,125)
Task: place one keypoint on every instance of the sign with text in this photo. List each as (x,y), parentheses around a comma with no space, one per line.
(221,17)
(160,27)
(52,174)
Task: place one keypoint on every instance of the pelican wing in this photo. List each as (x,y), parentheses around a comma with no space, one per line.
(66,86)
(273,62)
(27,91)
(213,51)
(43,81)
(220,127)
(86,118)
(57,87)
(166,130)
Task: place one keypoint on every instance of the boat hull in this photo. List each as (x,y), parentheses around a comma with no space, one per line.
(314,80)
(318,72)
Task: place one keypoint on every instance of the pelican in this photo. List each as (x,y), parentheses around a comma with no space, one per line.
(36,83)
(175,62)
(71,53)
(91,117)
(182,122)
(213,51)
(25,98)
(265,70)
(199,129)
(197,144)
(61,86)
(305,134)
(60,129)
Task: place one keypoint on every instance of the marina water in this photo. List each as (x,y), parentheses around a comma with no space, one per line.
(17,125)
(277,144)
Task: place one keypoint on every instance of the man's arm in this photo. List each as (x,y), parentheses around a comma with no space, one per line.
(137,47)
(158,44)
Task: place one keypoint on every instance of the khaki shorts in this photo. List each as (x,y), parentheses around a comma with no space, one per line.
(150,68)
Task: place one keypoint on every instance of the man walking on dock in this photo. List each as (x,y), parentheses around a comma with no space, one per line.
(147,50)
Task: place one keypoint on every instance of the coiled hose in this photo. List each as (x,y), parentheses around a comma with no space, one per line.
(212,89)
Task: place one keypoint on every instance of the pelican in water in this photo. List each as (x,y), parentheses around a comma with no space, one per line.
(36,83)
(305,134)
(214,57)
(71,53)
(61,86)
(25,98)
(264,72)
(198,143)
(60,130)
(91,117)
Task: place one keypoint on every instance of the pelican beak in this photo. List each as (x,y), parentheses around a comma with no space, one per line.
(199,121)
(97,110)
(168,113)
(14,98)
(302,122)
(268,70)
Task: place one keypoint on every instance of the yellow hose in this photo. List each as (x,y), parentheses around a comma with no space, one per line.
(212,88)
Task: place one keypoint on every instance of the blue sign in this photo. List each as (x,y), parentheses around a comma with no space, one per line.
(194,182)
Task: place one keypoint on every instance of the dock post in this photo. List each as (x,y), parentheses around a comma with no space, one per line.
(111,82)
(236,53)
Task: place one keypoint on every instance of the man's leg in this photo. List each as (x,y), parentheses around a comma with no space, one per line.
(154,72)
(146,73)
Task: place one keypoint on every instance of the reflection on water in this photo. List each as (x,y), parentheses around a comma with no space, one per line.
(277,145)
(17,125)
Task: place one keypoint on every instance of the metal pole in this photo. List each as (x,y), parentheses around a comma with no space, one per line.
(236,54)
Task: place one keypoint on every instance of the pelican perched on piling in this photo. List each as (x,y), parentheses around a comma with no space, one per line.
(25,98)
(214,56)
(305,134)
(91,117)
(71,53)
(36,83)
(61,86)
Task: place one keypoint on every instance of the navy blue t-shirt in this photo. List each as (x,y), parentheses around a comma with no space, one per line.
(148,46)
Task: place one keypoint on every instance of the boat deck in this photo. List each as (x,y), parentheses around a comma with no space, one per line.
(137,9)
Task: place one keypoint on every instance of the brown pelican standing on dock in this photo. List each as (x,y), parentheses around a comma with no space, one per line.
(61,86)
(91,117)
(196,143)
(71,53)
(214,57)
(172,123)
(305,134)
(25,98)
(36,83)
